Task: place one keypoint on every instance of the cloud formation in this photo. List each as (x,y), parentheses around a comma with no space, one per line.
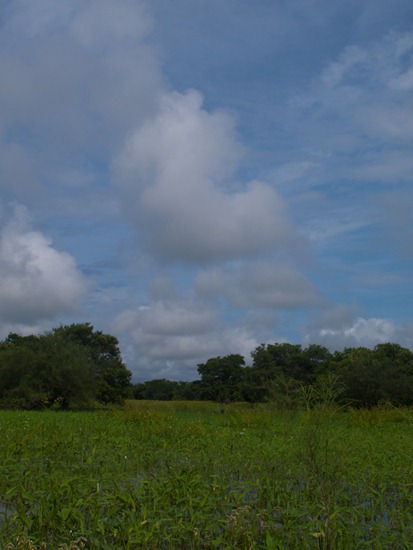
(360,332)
(78,76)
(169,340)
(177,174)
(212,218)
(258,285)
(359,106)
(37,281)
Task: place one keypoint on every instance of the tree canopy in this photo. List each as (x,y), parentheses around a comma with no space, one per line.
(75,366)
(70,366)
(283,373)
(222,378)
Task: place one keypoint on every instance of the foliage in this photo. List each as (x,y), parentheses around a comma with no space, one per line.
(279,369)
(161,389)
(158,389)
(71,366)
(222,377)
(291,360)
(76,366)
(112,378)
(182,475)
(283,373)
(372,376)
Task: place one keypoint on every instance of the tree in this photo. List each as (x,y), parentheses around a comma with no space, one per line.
(382,374)
(158,389)
(66,373)
(67,367)
(44,371)
(222,377)
(278,369)
(16,377)
(111,377)
(317,360)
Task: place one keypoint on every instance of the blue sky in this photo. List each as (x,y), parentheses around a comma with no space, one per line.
(198,177)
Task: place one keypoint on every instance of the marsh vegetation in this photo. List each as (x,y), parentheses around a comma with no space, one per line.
(199,475)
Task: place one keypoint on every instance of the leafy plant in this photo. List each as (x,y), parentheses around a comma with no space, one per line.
(180,475)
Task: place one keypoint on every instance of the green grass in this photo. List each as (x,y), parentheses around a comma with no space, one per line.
(196,475)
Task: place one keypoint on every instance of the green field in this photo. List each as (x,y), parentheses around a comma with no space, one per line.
(184,475)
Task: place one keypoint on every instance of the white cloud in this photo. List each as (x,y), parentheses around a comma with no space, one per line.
(362,101)
(223,310)
(170,319)
(108,24)
(78,77)
(259,285)
(176,173)
(358,332)
(85,95)
(171,339)
(356,121)
(24,329)
(350,61)
(274,286)
(37,281)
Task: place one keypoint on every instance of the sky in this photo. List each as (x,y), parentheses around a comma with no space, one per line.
(198,177)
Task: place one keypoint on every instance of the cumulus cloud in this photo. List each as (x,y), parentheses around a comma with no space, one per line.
(78,76)
(358,332)
(88,122)
(177,175)
(170,339)
(223,310)
(37,281)
(171,319)
(256,285)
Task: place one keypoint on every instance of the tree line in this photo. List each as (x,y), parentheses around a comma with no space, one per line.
(75,366)
(285,373)
(71,366)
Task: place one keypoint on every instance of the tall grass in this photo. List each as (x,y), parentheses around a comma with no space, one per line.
(201,476)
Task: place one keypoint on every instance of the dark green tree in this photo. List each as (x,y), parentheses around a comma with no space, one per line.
(189,391)
(222,378)
(373,376)
(70,366)
(44,371)
(111,376)
(16,376)
(157,389)
(278,369)
(66,373)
